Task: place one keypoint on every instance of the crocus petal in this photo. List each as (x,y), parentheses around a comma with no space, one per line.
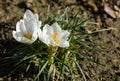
(64,35)
(56,27)
(19,38)
(44,37)
(28,15)
(18,27)
(39,24)
(64,44)
(27,28)
(48,29)
(35,35)
(54,35)
(16,34)
(30,26)
(36,17)
(24,40)
(37,20)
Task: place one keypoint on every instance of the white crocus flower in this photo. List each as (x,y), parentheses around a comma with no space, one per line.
(54,35)
(27,28)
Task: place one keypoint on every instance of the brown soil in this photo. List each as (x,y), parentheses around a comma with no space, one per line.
(109,41)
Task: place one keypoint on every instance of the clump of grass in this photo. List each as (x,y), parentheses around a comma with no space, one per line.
(55,63)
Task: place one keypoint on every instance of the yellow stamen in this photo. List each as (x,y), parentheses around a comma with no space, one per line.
(54,37)
(28,35)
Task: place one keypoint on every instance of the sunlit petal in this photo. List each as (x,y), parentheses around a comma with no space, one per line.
(54,35)
(27,28)
(56,27)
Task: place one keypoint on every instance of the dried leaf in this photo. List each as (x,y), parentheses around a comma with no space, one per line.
(109,11)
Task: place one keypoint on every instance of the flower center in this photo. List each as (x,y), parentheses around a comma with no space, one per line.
(54,37)
(28,35)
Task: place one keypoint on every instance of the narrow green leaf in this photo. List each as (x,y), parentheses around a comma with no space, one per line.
(80,70)
(50,71)
(25,58)
(28,67)
(41,70)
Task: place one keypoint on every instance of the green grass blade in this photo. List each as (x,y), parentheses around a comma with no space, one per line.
(71,71)
(25,58)
(28,67)
(80,70)
(41,70)
(50,71)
